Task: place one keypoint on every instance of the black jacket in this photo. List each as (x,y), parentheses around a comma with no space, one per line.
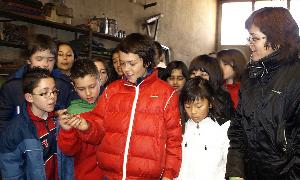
(265,134)
(12,96)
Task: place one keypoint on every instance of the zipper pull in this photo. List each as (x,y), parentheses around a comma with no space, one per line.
(205,148)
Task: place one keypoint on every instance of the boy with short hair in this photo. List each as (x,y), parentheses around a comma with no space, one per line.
(41,51)
(85,77)
(28,144)
(136,122)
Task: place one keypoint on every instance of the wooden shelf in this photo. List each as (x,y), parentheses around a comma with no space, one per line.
(12,44)
(105,36)
(42,22)
(13,16)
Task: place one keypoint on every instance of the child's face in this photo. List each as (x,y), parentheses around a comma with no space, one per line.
(87,88)
(132,66)
(42,59)
(199,73)
(43,97)
(116,63)
(176,80)
(197,110)
(65,57)
(228,72)
(102,72)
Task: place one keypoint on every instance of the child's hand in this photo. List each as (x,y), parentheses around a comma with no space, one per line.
(63,118)
(78,123)
(235,178)
(165,178)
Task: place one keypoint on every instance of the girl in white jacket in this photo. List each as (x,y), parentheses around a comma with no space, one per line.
(205,142)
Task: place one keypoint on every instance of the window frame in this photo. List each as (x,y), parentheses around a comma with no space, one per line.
(243,47)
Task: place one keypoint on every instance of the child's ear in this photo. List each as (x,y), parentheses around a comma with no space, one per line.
(28,97)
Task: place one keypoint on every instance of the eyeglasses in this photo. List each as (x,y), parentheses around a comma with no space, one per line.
(251,39)
(48,94)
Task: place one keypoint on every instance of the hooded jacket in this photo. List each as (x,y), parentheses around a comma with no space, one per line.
(139,126)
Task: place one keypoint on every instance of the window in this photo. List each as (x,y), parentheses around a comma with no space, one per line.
(294,7)
(234,15)
(278,3)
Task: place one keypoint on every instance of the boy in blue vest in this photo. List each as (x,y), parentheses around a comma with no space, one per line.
(28,144)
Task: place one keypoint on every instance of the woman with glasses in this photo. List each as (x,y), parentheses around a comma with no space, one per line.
(265,134)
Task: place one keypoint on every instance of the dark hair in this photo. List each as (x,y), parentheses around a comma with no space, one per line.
(32,78)
(111,73)
(158,48)
(116,49)
(209,65)
(60,43)
(175,65)
(279,27)
(83,67)
(141,45)
(194,89)
(158,52)
(236,59)
(40,42)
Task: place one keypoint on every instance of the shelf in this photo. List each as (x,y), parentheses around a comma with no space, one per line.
(12,44)
(42,22)
(105,36)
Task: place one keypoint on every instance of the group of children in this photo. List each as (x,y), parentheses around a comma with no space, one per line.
(132,131)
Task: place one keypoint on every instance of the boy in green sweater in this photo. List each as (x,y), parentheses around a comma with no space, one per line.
(85,78)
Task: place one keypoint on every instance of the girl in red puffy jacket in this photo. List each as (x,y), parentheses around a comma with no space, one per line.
(136,119)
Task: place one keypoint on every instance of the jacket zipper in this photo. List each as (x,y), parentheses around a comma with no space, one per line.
(285,141)
(130,131)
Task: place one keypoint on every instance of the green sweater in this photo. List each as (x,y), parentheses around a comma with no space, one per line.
(80,106)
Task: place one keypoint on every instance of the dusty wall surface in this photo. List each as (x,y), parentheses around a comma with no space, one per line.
(188,27)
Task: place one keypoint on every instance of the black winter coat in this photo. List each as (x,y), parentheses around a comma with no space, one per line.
(265,134)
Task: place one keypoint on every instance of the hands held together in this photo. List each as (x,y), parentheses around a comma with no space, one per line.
(68,121)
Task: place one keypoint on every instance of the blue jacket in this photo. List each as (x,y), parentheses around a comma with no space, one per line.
(12,96)
(21,152)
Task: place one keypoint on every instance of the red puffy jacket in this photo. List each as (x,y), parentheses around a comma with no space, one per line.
(140,130)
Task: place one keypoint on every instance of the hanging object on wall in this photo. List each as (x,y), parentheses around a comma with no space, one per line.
(153,21)
(147,5)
